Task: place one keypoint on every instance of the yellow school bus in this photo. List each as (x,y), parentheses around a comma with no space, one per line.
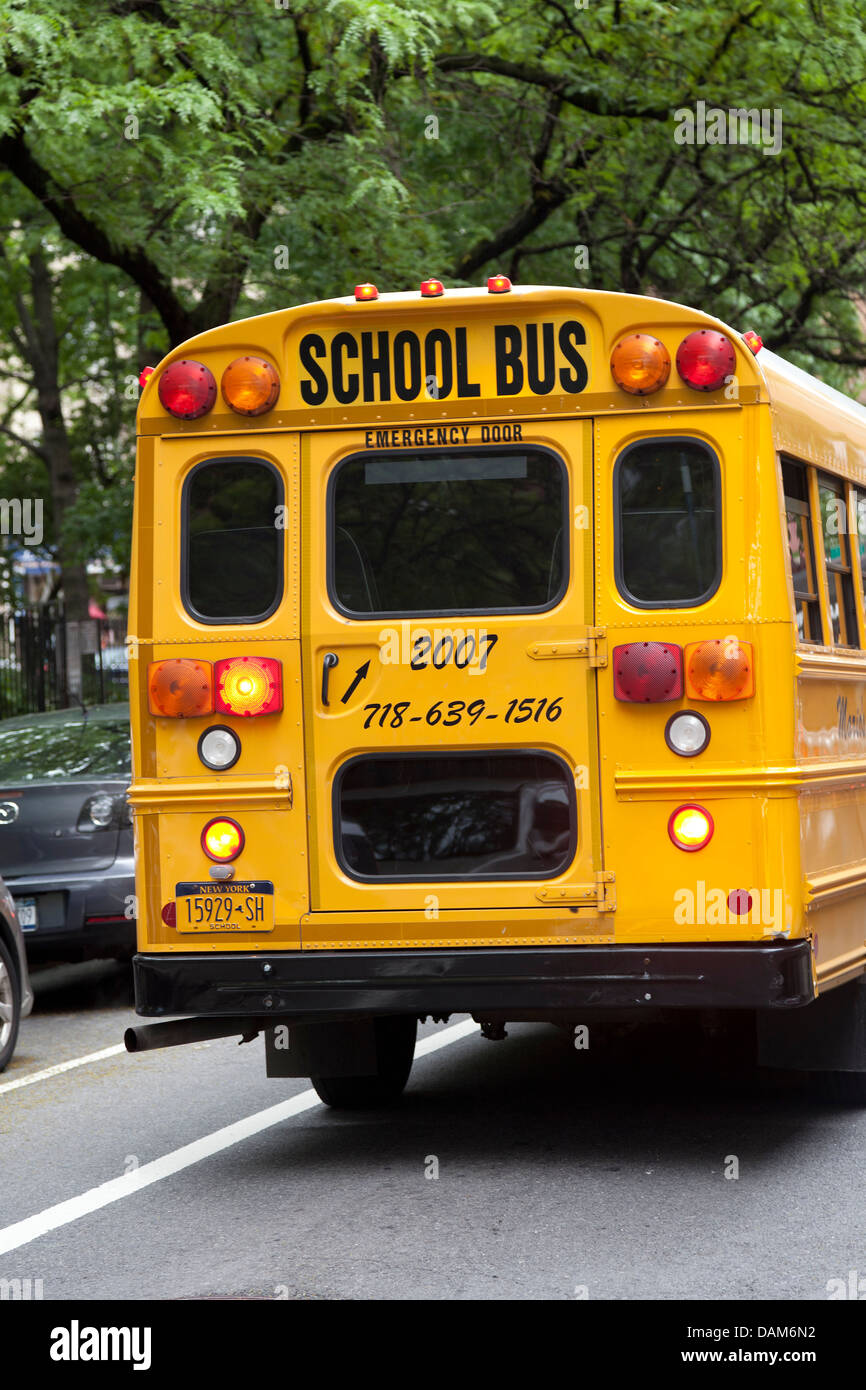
(498,651)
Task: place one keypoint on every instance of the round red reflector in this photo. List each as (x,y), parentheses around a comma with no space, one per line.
(187,389)
(705,359)
(222,839)
(169,914)
(690,828)
(739,902)
(648,672)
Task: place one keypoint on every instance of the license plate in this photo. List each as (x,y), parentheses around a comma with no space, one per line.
(229,907)
(26,909)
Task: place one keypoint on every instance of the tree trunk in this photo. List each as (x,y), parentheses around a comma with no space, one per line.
(41,335)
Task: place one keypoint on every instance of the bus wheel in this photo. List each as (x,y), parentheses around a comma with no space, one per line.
(395,1051)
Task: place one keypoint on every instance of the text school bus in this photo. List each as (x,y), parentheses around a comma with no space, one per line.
(496,651)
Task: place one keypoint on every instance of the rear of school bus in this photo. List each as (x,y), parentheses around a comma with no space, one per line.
(462,658)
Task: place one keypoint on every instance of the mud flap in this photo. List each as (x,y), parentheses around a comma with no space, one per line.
(827,1035)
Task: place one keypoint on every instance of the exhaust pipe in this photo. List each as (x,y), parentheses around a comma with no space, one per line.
(149,1036)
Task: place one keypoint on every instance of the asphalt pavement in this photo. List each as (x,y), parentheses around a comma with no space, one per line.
(649,1166)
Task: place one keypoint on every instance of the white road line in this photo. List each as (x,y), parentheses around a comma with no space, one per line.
(61,1067)
(22,1232)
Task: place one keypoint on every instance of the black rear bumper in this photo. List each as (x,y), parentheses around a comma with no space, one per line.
(502,980)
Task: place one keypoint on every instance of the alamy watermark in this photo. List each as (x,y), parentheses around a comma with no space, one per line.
(22,516)
(720,907)
(738,125)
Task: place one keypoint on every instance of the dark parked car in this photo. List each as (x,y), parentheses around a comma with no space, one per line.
(65,831)
(16,996)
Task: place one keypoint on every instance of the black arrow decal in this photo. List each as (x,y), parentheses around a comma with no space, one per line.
(358,677)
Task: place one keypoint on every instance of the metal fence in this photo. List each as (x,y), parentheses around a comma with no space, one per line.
(49,662)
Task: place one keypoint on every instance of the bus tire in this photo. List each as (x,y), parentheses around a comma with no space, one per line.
(395,1052)
(10,1006)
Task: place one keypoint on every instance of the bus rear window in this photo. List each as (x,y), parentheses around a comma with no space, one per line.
(456,816)
(458,532)
(232,548)
(668,550)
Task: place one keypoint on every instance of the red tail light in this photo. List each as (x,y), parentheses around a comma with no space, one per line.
(248,685)
(187,389)
(705,359)
(222,839)
(648,672)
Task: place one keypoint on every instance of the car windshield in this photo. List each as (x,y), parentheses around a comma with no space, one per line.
(59,748)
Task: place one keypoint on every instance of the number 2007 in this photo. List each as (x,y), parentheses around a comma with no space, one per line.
(457,647)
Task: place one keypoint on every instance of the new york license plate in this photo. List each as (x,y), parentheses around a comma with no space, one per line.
(26,909)
(236,907)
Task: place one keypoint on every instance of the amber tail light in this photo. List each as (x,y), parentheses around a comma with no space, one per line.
(721,668)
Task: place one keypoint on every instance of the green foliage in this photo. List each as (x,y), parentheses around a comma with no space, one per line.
(182,165)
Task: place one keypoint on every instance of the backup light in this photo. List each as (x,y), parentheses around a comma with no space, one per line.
(219,748)
(687,733)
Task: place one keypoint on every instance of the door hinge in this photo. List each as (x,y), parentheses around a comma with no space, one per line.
(593,647)
(601,895)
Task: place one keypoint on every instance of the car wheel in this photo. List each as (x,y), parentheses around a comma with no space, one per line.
(10,1006)
(395,1051)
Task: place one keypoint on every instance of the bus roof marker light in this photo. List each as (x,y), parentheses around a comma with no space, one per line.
(364,292)
(690,828)
(144,376)
(753,340)
(250,386)
(248,685)
(187,389)
(431,289)
(706,359)
(498,284)
(640,364)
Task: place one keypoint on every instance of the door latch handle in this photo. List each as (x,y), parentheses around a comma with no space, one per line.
(330,661)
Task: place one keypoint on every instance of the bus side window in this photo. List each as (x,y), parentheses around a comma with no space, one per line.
(859,500)
(800,549)
(837,558)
